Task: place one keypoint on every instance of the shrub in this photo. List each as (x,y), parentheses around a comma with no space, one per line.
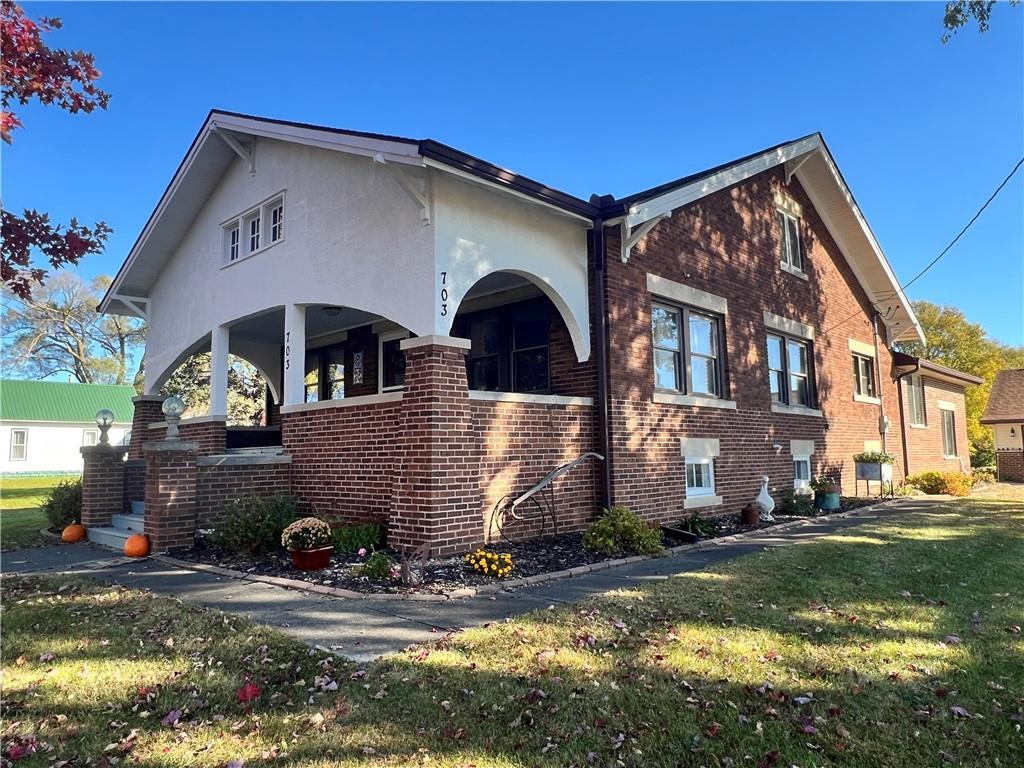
(307,533)
(697,525)
(952,483)
(983,475)
(63,505)
(620,531)
(352,538)
(903,490)
(254,524)
(874,457)
(795,504)
(824,484)
(498,564)
(380,567)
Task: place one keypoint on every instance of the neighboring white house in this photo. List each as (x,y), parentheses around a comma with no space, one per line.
(44,424)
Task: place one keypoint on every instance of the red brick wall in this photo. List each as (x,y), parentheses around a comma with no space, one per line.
(134,482)
(568,376)
(147,411)
(211,436)
(170,497)
(102,484)
(728,244)
(1010,465)
(219,483)
(519,443)
(924,445)
(344,458)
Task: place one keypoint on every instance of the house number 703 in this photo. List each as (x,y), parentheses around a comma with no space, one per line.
(444,294)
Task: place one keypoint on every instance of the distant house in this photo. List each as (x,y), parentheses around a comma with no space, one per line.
(44,424)
(1005,414)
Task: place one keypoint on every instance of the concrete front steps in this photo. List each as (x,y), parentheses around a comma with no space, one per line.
(120,528)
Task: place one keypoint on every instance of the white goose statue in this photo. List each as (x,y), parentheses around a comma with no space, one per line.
(765,501)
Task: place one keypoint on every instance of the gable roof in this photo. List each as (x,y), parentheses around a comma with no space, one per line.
(1006,399)
(808,158)
(59,401)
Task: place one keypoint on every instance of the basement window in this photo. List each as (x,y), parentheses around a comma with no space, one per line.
(802,474)
(700,476)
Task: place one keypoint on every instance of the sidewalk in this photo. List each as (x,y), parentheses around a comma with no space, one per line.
(363,629)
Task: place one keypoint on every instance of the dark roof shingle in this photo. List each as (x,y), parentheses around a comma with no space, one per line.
(1006,400)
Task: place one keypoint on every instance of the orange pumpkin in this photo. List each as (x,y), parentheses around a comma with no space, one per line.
(137,545)
(74,532)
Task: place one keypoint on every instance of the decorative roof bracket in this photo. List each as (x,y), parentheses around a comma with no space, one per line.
(247,153)
(418,190)
(630,236)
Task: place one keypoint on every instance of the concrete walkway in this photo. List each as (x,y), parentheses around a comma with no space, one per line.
(367,628)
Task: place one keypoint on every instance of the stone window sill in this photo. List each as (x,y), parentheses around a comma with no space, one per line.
(793,271)
(675,398)
(867,399)
(796,410)
(697,502)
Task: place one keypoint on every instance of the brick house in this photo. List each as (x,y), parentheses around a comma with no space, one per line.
(438,333)
(1005,414)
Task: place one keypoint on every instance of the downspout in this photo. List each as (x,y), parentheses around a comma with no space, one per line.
(601,349)
(903,420)
(878,374)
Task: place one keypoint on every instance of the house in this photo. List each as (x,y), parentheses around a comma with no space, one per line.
(439,333)
(1005,414)
(933,415)
(44,424)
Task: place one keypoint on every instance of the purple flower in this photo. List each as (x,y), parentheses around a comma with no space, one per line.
(362,552)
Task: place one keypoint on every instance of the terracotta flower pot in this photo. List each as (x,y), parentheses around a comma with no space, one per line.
(312,559)
(751,514)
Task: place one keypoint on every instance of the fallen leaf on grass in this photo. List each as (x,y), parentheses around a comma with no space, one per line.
(171,717)
(248,692)
(959,712)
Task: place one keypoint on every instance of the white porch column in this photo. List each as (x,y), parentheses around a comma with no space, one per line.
(294,354)
(219,371)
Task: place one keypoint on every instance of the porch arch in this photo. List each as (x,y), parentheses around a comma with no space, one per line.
(578,327)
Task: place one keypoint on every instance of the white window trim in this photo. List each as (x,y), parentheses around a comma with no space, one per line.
(704,490)
(95,432)
(790,269)
(910,404)
(790,211)
(700,450)
(390,336)
(263,208)
(946,406)
(802,486)
(23,446)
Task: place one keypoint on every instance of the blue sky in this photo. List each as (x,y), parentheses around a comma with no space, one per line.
(601,98)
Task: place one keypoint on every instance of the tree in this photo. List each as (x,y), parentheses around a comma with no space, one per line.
(954,341)
(58,332)
(246,388)
(960,12)
(31,69)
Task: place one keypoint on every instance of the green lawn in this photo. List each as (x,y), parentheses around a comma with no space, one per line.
(895,644)
(20,518)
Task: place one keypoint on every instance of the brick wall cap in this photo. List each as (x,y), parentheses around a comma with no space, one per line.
(242,459)
(168,446)
(101,450)
(149,398)
(434,341)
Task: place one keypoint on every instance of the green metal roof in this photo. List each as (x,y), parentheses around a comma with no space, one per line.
(61,401)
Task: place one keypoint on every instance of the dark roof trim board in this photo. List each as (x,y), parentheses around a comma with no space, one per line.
(912,364)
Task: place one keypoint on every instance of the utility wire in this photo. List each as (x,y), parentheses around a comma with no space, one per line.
(933,262)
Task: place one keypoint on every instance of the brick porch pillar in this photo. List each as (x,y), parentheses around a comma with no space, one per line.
(436,496)
(147,411)
(102,483)
(170,494)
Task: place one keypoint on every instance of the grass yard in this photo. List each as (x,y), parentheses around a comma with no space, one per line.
(894,644)
(20,516)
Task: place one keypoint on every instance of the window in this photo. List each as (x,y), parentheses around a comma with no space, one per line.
(789,226)
(686,362)
(276,220)
(508,349)
(312,379)
(802,473)
(700,476)
(392,361)
(864,375)
(336,374)
(252,227)
(19,444)
(789,374)
(233,240)
(948,434)
(915,400)
(90,436)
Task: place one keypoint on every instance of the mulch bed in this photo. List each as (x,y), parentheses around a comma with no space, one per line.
(530,558)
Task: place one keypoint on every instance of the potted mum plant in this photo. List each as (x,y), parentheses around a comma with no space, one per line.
(309,542)
(826,493)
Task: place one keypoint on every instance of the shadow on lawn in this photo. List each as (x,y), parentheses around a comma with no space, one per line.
(675,670)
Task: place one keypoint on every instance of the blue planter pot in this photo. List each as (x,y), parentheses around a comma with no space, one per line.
(826,502)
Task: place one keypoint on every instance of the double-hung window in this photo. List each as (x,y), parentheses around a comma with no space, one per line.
(254,230)
(864,375)
(948,434)
(509,347)
(687,350)
(336,373)
(789,370)
(792,255)
(90,437)
(915,401)
(19,444)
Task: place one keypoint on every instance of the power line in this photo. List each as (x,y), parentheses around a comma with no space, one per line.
(945,250)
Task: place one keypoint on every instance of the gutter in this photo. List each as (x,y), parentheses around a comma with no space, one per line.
(601,345)
(903,420)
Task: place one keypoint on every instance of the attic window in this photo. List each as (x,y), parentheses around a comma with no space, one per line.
(792,255)
(254,230)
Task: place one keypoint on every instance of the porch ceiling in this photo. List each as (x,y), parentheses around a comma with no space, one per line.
(320,321)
